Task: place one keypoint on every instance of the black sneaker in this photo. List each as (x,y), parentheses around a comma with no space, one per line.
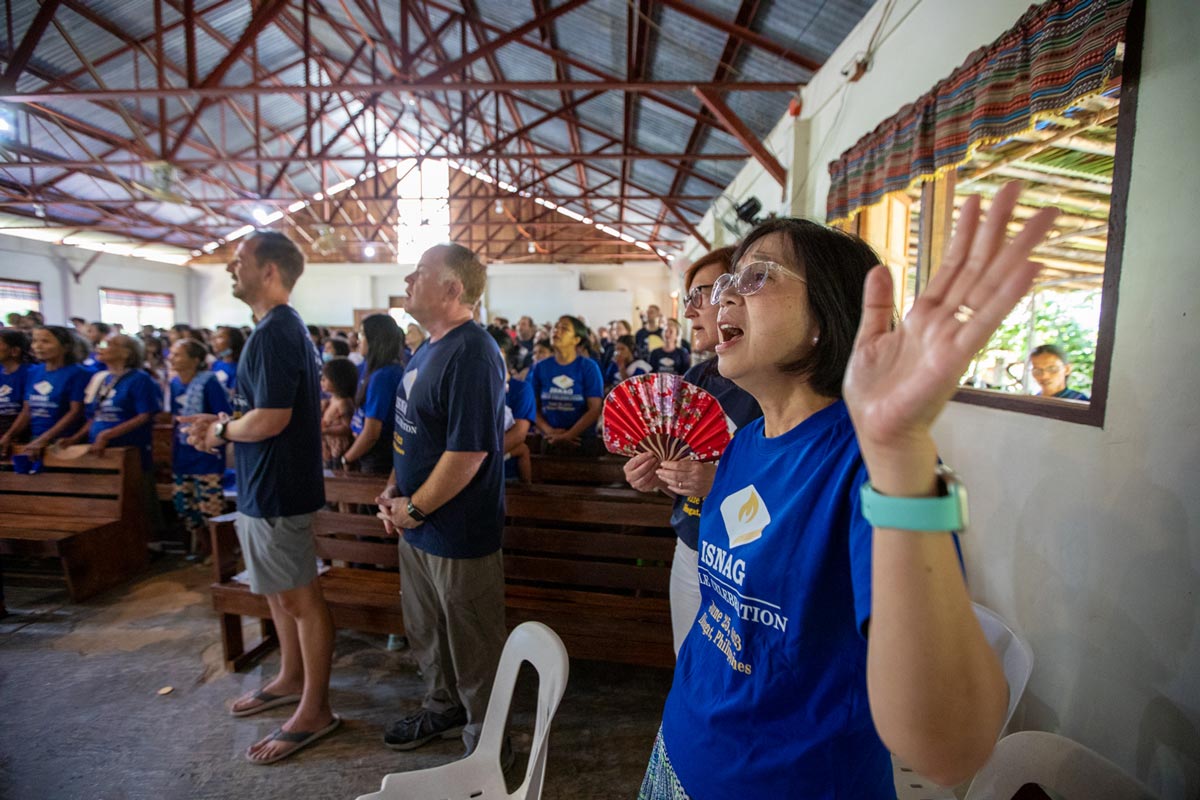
(414,731)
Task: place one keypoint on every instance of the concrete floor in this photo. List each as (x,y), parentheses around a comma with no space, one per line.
(81,715)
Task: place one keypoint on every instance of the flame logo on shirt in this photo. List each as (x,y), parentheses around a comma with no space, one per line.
(749,508)
(746,516)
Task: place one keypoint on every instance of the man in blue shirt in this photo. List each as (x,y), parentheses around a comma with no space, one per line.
(277,445)
(448,499)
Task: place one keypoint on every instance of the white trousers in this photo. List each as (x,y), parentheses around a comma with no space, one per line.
(685,591)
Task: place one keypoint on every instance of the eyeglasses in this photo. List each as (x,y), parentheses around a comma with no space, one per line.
(695,296)
(749,280)
(1047,370)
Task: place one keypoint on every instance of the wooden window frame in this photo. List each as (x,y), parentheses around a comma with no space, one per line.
(934,237)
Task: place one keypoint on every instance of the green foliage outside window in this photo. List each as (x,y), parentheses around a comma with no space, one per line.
(1069,320)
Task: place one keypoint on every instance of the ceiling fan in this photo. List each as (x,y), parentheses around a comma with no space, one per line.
(162,184)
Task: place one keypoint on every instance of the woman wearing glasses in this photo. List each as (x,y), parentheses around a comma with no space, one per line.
(834,622)
(690,481)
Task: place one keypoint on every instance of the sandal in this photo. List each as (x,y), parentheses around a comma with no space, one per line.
(298,740)
(266,700)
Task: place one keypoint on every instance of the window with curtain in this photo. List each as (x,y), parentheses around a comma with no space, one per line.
(132,309)
(19,297)
(1051,104)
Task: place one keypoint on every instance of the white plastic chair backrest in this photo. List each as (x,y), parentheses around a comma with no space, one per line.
(1015,654)
(1056,763)
(541,647)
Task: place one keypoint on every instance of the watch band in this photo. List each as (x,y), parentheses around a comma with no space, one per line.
(415,512)
(219,429)
(945,513)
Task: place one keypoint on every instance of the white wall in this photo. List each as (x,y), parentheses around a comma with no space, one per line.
(1086,539)
(327,294)
(63,297)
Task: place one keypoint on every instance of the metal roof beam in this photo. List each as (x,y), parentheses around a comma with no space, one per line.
(262,17)
(29,42)
(392,88)
(743,134)
(742,32)
(495,44)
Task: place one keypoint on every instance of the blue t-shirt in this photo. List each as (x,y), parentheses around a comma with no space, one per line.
(280,368)
(562,390)
(50,394)
(740,410)
(379,404)
(519,399)
(210,398)
(452,398)
(1071,394)
(121,399)
(770,692)
(612,373)
(12,390)
(227,374)
(676,362)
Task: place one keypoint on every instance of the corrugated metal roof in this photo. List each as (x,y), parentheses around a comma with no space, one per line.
(680,47)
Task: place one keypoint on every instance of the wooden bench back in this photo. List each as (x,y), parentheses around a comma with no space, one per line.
(102,487)
(612,540)
(594,471)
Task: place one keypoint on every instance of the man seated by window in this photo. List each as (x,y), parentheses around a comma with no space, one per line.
(1050,369)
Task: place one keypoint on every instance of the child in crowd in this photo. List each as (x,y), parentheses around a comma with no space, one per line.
(14,369)
(339,379)
(625,363)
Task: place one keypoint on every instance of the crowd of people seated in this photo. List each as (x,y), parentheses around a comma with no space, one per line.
(814,620)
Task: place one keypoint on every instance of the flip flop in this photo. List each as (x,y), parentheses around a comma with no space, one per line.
(267,700)
(299,740)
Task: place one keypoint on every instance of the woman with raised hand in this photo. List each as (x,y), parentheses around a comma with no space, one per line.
(689,482)
(835,624)
(568,389)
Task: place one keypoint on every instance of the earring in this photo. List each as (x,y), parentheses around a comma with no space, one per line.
(816,339)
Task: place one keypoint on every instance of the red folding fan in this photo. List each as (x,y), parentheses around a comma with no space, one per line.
(665,415)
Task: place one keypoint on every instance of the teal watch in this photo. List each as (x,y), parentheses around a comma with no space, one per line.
(947,512)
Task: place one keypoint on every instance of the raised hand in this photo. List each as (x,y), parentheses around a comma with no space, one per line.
(899,379)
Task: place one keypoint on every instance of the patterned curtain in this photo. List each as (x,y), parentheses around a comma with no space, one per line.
(1058,52)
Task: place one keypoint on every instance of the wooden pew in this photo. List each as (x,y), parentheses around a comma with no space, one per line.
(359,599)
(593,563)
(578,471)
(87,512)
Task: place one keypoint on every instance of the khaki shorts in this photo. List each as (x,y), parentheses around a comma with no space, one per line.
(280,552)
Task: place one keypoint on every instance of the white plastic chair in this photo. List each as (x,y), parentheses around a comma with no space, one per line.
(1056,763)
(479,775)
(1016,657)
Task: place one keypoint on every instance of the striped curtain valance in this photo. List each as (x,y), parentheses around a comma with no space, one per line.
(1058,52)
(20,291)
(118,297)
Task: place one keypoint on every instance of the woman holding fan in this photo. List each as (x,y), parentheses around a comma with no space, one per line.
(687,480)
(835,624)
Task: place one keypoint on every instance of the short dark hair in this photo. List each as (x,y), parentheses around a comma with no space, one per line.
(314,331)
(194,349)
(722,256)
(628,341)
(103,327)
(835,265)
(508,348)
(340,346)
(17,340)
(342,374)
(281,251)
(77,319)
(1050,350)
